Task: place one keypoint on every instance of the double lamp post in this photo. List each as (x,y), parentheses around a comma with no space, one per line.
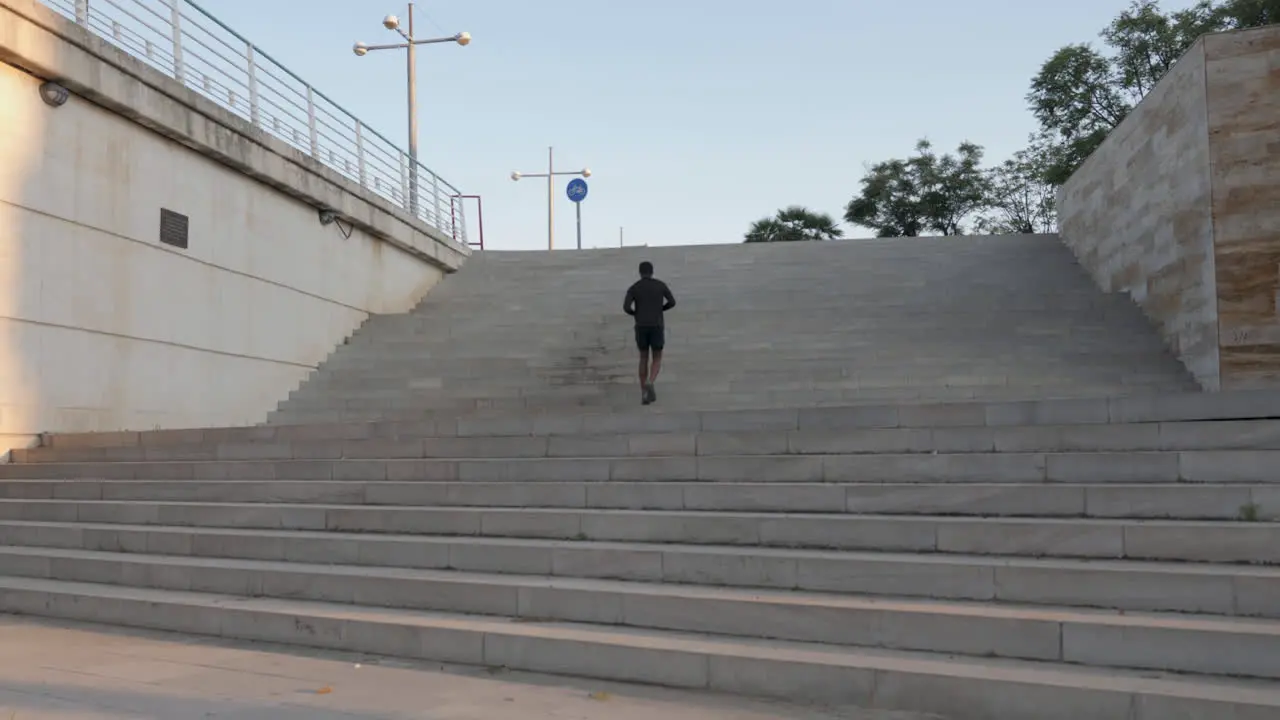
(391,22)
(411,43)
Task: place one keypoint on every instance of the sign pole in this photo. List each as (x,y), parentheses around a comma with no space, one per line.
(551,198)
(577,192)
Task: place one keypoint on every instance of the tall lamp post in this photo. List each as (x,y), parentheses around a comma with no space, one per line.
(551,175)
(391,22)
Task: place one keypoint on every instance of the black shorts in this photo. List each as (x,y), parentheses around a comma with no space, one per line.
(650,338)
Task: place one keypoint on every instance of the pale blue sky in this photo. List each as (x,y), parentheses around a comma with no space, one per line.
(697,117)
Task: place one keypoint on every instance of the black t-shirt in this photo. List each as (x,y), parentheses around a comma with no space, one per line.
(647,300)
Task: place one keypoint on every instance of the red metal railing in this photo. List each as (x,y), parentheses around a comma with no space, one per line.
(455,201)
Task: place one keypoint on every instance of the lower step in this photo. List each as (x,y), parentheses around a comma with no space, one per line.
(1105,539)
(1172,642)
(958,688)
(1193,466)
(1151,501)
(1238,590)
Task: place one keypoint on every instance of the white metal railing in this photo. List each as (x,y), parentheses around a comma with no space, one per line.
(182,40)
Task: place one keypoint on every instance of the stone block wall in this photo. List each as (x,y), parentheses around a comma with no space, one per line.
(1180,208)
(1137,215)
(1242,72)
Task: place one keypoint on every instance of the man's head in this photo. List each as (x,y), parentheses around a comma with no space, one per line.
(646,269)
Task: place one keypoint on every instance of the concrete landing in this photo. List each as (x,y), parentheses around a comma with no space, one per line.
(66,671)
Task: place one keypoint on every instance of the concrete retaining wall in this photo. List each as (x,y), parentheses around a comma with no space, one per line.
(104,327)
(1137,215)
(1180,208)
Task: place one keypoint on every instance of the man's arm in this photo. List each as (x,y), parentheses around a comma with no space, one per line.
(629,302)
(668,300)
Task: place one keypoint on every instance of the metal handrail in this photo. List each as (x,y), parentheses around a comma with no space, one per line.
(182,40)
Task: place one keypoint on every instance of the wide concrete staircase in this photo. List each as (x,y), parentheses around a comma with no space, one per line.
(1006,317)
(1113,554)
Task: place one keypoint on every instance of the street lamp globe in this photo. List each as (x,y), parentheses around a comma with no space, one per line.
(515,177)
(463,39)
(586,172)
(391,22)
(361,49)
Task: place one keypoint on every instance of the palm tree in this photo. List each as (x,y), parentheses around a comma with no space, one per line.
(794,224)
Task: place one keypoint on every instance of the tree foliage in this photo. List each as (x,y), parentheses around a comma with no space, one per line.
(890,201)
(1146,42)
(925,192)
(1078,103)
(1081,93)
(1240,14)
(1020,198)
(794,224)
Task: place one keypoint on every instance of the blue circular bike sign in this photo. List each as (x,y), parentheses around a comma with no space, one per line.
(577,190)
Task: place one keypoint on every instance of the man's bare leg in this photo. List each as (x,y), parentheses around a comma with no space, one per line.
(644,376)
(655,367)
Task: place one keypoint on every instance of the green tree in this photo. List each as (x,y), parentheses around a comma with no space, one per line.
(954,187)
(1147,42)
(925,192)
(1081,93)
(1240,14)
(1078,101)
(1020,197)
(890,201)
(794,224)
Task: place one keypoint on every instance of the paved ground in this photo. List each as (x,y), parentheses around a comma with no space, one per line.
(63,671)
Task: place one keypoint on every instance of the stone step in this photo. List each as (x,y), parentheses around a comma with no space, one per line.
(826,331)
(1209,435)
(315,417)
(596,393)
(871,353)
(853,363)
(967,689)
(1188,502)
(675,386)
(1149,407)
(1205,644)
(892,312)
(419,406)
(376,379)
(341,411)
(567,389)
(1059,329)
(807,319)
(1190,466)
(1161,540)
(625,399)
(374,398)
(542,395)
(610,421)
(835,374)
(1230,590)
(423,383)
(610,404)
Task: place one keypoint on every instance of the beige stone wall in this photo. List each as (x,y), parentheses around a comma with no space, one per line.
(102,326)
(1138,215)
(1243,79)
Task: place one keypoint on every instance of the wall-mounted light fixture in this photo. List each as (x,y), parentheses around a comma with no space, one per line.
(53,94)
(331,217)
